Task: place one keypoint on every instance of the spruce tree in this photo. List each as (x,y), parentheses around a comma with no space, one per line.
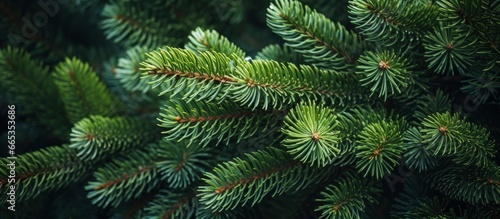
(243,109)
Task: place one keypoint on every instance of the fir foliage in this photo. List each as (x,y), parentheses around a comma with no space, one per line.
(347,197)
(477,185)
(448,51)
(126,177)
(44,171)
(447,134)
(97,137)
(180,165)
(82,92)
(248,180)
(379,148)
(392,22)
(203,122)
(322,42)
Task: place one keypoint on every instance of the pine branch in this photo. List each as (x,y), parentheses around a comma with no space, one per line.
(391,22)
(476,185)
(42,171)
(479,17)
(180,69)
(347,197)
(202,122)
(82,92)
(434,207)
(430,104)
(448,51)
(131,24)
(350,123)
(386,72)
(272,84)
(379,148)
(181,165)
(322,42)
(128,70)
(246,181)
(260,83)
(97,137)
(127,176)
(139,171)
(465,142)
(354,120)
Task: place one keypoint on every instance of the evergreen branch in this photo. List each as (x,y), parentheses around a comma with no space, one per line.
(97,137)
(417,155)
(442,132)
(210,40)
(42,171)
(449,52)
(125,177)
(82,92)
(479,16)
(258,83)
(27,82)
(478,147)
(272,84)
(347,197)
(280,53)
(476,185)
(203,122)
(240,182)
(392,22)
(312,135)
(449,135)
(379,148)
(182,165)
(128,23)
(322,42)
(167,204)
(203,74)
(386,72)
